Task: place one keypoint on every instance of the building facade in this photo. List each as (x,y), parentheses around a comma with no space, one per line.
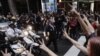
(21,6)
(37,5)
(89,5)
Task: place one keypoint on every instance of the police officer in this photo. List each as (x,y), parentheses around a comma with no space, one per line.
(12,32)
(52,36)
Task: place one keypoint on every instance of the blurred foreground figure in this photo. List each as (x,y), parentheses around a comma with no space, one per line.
(93,46)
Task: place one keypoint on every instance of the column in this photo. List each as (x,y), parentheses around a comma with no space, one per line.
(92,7)
(75,4)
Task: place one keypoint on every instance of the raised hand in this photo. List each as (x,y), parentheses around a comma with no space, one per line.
(46,49)
(89,26)
(29,53)
(6,53)
(73,10)
(42,44)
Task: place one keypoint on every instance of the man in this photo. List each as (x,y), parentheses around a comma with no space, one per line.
(52,36)
(12,32)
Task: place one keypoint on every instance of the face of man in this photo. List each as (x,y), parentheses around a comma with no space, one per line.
(12,26)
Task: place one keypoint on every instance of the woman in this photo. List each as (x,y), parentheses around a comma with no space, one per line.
(93,46)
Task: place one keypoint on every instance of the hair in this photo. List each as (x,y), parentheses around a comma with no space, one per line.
(94,46)
(12,25)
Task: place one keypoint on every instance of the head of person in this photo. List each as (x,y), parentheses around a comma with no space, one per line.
(94,46)
(12,25)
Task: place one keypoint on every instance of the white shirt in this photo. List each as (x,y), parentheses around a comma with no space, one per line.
(26,33)
(12,32)
(33,34)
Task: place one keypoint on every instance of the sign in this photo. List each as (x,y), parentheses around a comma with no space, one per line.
(50,6)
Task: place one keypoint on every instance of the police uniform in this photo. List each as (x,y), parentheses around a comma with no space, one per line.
(12,34)
(52,37)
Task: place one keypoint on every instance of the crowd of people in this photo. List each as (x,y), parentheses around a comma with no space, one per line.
(44,29)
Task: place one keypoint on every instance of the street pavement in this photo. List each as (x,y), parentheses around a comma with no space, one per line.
(63,47)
